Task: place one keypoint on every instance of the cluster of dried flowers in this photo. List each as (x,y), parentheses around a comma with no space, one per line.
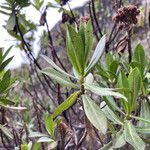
(127,15)
(84,19)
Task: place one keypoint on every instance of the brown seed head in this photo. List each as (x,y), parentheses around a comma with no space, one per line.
(84,19)
(126,15)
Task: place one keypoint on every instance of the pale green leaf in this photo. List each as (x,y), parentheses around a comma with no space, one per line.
(119,140)
(144,130)
(6,131)
(146,120)
(97,53)
(45,139)
(16,108)
(144,113)
(112,115)
(112,104)
(59,77)
(89,79)
(103,91)
(36,134)
(11,22)
(94,114)
(132,137)
(56,67)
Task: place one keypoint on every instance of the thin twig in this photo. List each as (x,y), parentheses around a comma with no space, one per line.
(92,21)
(95,18)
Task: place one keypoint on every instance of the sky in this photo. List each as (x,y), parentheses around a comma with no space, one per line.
(6,40)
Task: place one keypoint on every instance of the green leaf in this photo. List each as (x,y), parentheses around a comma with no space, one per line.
(22,3)
(113,67)
(56,67)
(78,47)
(5,101)
(4,84)
(24,23)
(102,72)
(6,7)
(94,114)
(4,12)
(1,55)
(59,77)
(72,55)
(58,1)
(82,31)
(66,104)
(36,146)
(38,3)
(7,52)
(11,22)
(144,120)
(52,5)
(139,56)
(5,63)
(134,80)
(132,137)
(103,91)
(24,147)
(6,131)
(109,60)
(122,82)
(97,53)
(135,64)
(50,125)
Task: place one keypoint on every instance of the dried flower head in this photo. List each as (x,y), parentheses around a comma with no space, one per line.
(127,15)
(84,19)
